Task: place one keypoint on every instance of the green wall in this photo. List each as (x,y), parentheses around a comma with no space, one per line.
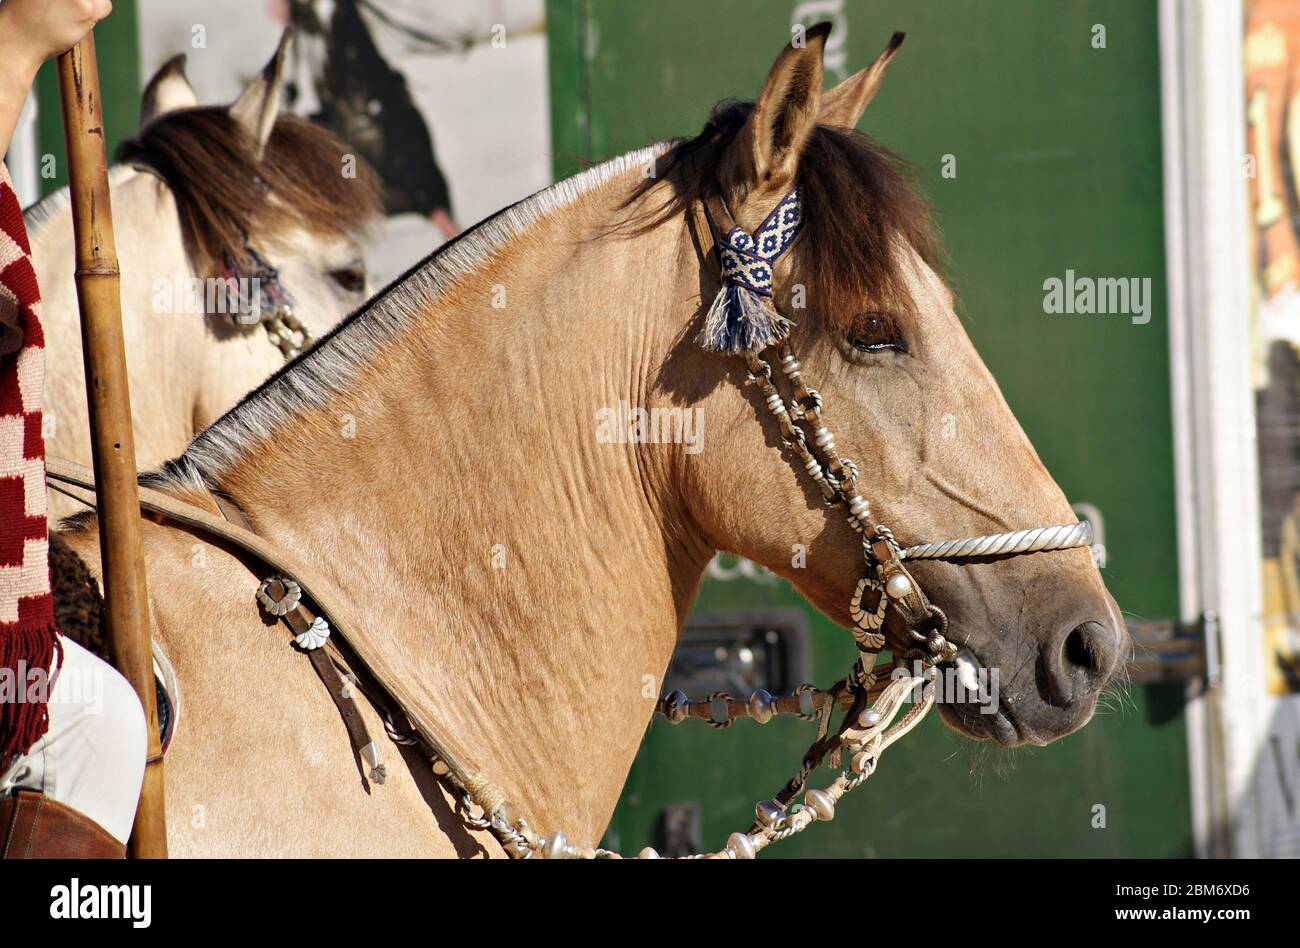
(1058,159)
(117,49)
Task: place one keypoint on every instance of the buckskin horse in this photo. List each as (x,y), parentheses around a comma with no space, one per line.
(207,193)
(435,459)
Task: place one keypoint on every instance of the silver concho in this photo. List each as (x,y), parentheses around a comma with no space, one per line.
(285,604)
(869,621)
(898,587)
(314,636)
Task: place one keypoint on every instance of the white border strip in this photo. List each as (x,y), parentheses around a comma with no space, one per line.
(1182,393)
(1214,425)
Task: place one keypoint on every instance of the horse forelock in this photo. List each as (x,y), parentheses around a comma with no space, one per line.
(209,162)
(862,217)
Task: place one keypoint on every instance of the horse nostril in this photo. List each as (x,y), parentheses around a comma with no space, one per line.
(1079,663)
(1089,653)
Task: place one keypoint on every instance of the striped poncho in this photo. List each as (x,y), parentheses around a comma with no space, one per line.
(30,650)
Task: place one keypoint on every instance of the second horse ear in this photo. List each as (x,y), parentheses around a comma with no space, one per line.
(765,154)
(167,91)
(259,105)
(844,105)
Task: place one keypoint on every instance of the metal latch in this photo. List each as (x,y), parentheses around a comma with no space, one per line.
(1170,650)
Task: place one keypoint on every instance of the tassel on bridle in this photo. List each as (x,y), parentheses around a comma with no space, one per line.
(743,317)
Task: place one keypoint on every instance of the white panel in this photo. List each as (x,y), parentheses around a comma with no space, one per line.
(1238,795)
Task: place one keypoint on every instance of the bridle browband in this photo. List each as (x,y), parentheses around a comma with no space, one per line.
(742,321)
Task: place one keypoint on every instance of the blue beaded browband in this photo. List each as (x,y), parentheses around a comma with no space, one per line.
(743,317)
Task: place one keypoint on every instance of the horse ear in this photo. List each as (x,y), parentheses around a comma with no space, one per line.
(767,149)
(844,105)
(167,91)
(259,105)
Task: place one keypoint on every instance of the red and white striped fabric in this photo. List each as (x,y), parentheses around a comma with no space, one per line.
(29,642)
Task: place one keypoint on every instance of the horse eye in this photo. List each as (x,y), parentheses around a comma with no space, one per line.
(877,334)
(352,279)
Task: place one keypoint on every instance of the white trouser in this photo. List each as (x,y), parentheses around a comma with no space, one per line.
(92,757)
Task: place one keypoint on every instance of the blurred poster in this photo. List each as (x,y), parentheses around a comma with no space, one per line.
(340,79)
(1272,58)
(446,99)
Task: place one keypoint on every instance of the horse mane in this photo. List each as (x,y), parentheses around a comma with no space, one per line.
(40,213)
(332,364)
(210,163)
(861,213)
(858,204)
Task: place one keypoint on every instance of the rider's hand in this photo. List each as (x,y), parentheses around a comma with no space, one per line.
(31,31)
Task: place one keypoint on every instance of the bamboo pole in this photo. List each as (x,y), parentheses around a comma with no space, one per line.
(126,597)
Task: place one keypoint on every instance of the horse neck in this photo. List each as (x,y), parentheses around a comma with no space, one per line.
(531,578)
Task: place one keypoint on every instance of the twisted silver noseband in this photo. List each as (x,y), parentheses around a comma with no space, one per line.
(1040,539)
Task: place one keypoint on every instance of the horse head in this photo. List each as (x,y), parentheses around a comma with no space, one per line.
(935,451)
(263,198)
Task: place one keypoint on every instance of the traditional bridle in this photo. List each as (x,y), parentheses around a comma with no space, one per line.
(274,310)
(743,322)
